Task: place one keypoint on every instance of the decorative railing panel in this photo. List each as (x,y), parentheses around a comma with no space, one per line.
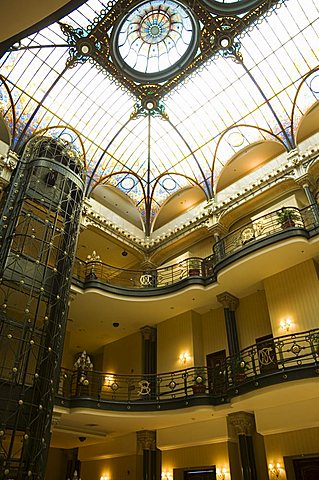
(271,361)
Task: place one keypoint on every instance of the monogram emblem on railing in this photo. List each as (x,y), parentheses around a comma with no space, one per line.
(146,279)
(266,356)
(144,388)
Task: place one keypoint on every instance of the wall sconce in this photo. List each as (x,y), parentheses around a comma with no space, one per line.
(274,470)
(184,358)
(221,473)
(108,382)
(286,324)
(104,477)
(167,475)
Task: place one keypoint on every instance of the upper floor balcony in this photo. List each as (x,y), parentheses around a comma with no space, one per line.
(266,230)
(273,361)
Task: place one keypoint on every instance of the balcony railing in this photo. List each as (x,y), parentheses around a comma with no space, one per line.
(268,228)
(275,360)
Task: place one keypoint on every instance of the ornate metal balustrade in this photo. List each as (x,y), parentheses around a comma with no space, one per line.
(273,361)
(268,228)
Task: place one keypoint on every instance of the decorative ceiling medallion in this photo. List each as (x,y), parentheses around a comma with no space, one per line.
(155,40)
(150,47)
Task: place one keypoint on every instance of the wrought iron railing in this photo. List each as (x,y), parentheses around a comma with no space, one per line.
(272,361)
(252,233)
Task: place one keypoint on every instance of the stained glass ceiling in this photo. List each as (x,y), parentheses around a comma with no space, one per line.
(253,90)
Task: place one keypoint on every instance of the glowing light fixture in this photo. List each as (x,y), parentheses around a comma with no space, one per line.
(274,470)
(221,473)
(184,358)
(286,324)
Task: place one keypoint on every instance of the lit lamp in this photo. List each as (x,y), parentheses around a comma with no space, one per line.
(167,475)
(83,365)
(108,380)
(184,358)
(221,473)
(286,324)
(104,477)
(274,470)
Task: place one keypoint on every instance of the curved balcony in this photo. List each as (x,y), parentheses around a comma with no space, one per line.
(261,232)
(281,359)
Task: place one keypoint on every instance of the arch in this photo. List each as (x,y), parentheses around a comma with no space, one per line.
(246,161)
(264,135)
(178,203)
(64,130)
(308,123)
(294,126)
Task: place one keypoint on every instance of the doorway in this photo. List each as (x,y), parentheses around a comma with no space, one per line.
(306,468)
(217,371)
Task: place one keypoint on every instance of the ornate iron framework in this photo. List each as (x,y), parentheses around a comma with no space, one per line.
(220,27)
(38,231)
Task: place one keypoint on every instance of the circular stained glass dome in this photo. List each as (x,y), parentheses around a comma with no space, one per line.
(232,7)
(155,40)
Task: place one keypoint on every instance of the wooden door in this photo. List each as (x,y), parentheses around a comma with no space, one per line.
(306,468)
(217,372)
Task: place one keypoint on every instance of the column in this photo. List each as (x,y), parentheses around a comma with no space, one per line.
(149,350)
(244,426)
(230,303)
(148,456)
(307,183)
(149,356)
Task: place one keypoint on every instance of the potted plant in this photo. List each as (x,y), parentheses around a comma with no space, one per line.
(194,267)
(287,217)
(199,379)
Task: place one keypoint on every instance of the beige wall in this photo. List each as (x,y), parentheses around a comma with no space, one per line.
(124,356)
(202,249)
(120,468)
(174,337)
(252,319)
(199,456)
(294,294)
(297,443)
(214,331)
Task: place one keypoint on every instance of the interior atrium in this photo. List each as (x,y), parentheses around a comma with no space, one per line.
(159,240)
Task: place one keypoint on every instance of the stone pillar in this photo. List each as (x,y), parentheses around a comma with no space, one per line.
(149,356)
(307,183)
(230,303)
(148,456)
(244,426)
(149,350)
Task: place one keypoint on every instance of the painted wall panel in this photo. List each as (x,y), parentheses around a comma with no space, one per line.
(124,356)
(294,294)
(252,318)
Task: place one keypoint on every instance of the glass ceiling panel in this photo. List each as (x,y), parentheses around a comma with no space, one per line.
(276,54)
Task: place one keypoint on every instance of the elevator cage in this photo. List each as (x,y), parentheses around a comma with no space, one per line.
(38,232)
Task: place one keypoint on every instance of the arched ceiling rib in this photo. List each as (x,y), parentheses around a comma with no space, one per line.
(277,53)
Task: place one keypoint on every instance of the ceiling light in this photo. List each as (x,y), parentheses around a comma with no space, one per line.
(224,42)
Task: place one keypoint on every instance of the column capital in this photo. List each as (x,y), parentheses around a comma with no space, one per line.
(145,440)
(306,180)
(243,423)
(148,333)
(228,300)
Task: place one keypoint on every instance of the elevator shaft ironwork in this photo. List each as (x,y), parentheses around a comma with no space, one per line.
(38,232)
